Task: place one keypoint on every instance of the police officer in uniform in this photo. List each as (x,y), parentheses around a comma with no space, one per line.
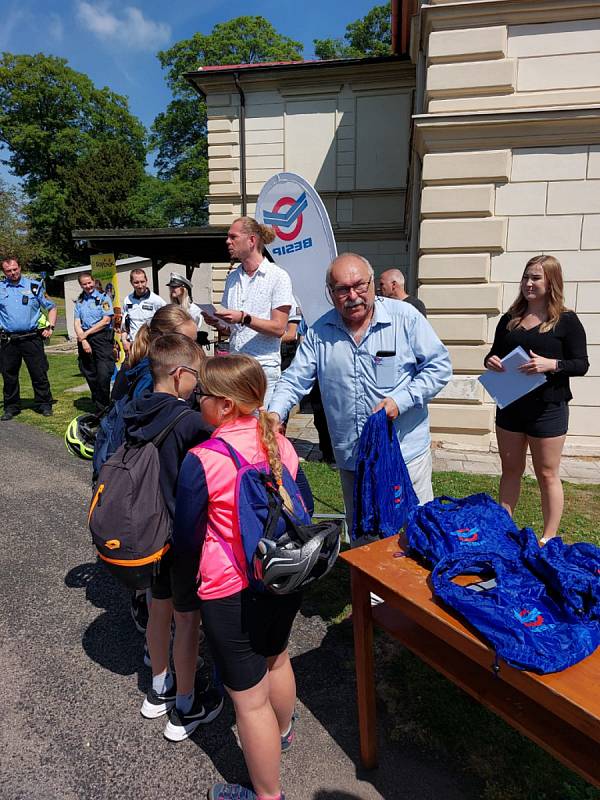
(95,336)
(139,307)
(22,303)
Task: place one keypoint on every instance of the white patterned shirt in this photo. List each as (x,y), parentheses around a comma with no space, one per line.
(269,287)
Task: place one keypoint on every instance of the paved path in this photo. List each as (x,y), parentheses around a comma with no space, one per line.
(302,432)
(72,679)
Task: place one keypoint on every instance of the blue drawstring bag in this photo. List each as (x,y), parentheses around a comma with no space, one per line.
(447,526)
(528,626)
(572,571)
(383,492)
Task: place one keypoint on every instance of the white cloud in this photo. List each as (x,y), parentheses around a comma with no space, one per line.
(56,28)
(131,29)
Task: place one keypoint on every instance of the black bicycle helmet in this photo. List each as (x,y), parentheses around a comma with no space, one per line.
(297,558)
(80,436)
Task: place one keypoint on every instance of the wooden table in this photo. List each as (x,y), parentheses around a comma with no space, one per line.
(561,712)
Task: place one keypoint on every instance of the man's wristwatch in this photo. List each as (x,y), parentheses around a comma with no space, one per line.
(246,319)
(51,327)
(560,365)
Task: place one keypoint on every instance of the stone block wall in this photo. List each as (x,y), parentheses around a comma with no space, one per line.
(509,140)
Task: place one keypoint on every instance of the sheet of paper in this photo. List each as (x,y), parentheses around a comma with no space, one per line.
(212,310)
(506,387)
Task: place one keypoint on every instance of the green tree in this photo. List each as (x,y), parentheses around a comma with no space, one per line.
(69,142)
(369,36)
(179,133)
(15,239)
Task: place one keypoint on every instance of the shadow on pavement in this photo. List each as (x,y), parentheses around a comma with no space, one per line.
(111,640)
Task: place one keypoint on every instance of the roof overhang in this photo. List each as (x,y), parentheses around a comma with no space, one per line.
(398,68)
(186,245)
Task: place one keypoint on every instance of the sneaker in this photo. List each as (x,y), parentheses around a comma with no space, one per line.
(139,611)
(288,740)
(206,707)
(230,791)
(233,791)
(157,705)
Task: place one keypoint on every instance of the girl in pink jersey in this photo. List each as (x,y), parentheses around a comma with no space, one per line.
(247,631)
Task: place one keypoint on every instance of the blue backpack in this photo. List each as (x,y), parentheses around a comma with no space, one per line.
(383,491)
(572,571)
(448,526)
(111,429)
(527,624)
(259,507)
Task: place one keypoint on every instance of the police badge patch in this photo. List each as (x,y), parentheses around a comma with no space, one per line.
(106,306)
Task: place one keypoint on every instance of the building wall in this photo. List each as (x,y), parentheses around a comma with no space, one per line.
(510,144)
(347,135)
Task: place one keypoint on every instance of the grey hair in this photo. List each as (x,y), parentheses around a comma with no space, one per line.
(344,256)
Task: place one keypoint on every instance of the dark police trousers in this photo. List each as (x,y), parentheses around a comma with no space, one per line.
(97,367)
(30,348)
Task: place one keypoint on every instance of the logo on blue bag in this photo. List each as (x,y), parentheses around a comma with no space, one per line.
(467,535)
(530,619)
(397,494)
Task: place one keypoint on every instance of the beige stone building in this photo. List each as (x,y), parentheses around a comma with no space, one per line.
(456,164)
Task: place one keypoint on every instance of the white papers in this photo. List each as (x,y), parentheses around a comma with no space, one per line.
(212,311)
(208,308)
(506,387)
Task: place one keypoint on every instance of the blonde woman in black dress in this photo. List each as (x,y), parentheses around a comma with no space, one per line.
(555,340)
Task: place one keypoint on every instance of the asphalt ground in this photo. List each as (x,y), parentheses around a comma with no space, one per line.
(72,679)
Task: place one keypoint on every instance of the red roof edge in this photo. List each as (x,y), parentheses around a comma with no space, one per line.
(229,67)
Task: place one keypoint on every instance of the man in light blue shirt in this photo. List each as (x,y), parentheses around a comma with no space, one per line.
(22,334)
(369,353)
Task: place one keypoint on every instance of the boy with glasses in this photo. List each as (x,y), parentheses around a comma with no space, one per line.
(174,362)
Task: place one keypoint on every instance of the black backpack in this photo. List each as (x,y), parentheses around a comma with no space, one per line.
(128,517)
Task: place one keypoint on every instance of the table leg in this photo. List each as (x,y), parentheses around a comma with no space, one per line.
(362,622)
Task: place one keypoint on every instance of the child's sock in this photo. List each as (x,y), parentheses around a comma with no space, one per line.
(270,797)
(162,682)
(184,702)
(288,729)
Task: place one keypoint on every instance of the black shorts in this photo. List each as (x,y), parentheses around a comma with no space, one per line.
(161,587)
(245,629)
(539,419)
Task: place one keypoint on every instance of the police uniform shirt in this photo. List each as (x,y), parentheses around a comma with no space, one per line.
(138,310)
(90,308)
(21,305)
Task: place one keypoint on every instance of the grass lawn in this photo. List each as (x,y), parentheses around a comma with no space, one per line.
(64,374)
(425,710)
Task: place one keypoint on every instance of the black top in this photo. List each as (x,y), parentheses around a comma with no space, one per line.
(146,416)
(566,343)
(418,304)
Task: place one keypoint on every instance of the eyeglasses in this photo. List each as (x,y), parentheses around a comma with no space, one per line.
(360,288)
(200,393)
(193,371)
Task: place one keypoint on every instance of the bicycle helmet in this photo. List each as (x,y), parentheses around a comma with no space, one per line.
(80,435)
(298,557)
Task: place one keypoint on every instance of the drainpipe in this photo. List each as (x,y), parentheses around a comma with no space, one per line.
(242,144)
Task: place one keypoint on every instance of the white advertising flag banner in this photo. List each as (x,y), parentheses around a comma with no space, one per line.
(304,245)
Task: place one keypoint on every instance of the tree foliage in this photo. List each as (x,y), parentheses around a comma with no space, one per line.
(15,240)
(369,36)
(78,149)
(179,133)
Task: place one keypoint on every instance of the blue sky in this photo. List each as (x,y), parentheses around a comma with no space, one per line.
(115,43)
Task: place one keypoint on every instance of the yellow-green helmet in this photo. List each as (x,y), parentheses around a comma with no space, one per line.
(80,435)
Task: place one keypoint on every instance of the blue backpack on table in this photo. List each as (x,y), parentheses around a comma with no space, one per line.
(517,613)
(450,526)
